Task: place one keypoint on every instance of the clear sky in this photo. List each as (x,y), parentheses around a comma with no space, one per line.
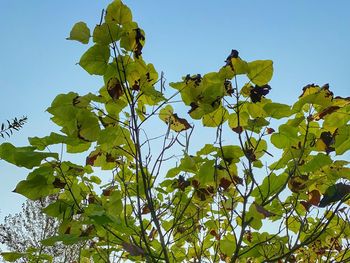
(309,42)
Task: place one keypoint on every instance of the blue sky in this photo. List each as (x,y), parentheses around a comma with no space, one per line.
(307,40)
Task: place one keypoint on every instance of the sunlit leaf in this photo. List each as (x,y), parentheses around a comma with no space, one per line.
(342,141)
(23,156)
(80,32)
(118,12)
(285,137)
(176,123)
(95,59)
(277,110)
(260,71)
(38,184)
(106,33)
(215,118)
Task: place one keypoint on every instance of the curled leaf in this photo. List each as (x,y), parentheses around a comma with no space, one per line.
(176,123)
(114,88)
(258,91)
(334,193)
(263,211)
(133,249)
(314,197)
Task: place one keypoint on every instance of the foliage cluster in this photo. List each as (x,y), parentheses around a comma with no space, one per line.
(231,202)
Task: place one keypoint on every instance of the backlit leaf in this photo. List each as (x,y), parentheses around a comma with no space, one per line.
(95,59)
(23,156)
(118,12)
(176,123)
(80,32)
(277,110)
(260,71)
(106,33)
(215,118)
(342,141)
(38,184)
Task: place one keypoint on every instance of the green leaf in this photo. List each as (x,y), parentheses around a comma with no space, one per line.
(260,71)
(38,184)
(270,185)
(233,119)
(119,13)
(334,193)
(277,110)
(231,153)
(215,118)
(315,95)
(23,156)
(286,136)
(80,32)
(12,256)
(74,145)
(60,209)
(188,164)
(106,33)
(207,149)
(254,217)
(227,245)
(342,140)
(317,162)
(95,59)
(206,172)
(67,239)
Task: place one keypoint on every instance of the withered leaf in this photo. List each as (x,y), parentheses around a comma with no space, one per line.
(133,249)
(182,121)
(238,129)
(107,191)
(224,183)
(114,88)
(234,54)
(263,211)
(136,86)
(90,160)
(328,139)
(57,183)
(297,183)
(258,91)
(314,197)
(182,183)
(306,205)
(91,199)
(194,106)
(138,38)
(270,130)
(145,209)
(325,112)
(228,87)
(195,78)
(213,233)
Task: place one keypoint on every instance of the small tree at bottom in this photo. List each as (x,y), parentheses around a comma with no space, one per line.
(23,232)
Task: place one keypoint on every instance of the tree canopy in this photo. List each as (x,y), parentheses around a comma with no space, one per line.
(270,186)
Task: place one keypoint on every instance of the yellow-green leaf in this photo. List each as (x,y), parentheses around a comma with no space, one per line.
(260,71)
(95,59)
(80,32)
